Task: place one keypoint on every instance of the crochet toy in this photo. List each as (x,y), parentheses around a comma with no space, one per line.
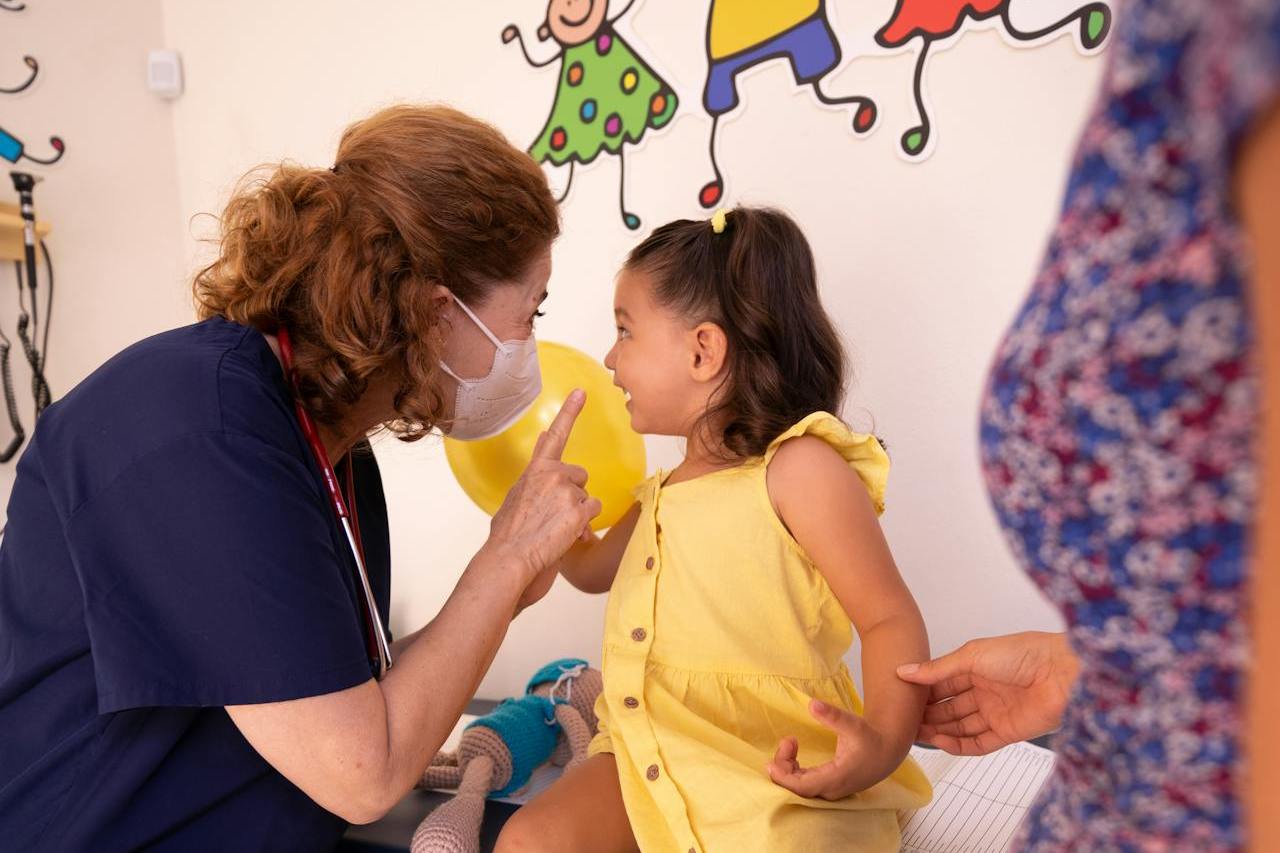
(553,722)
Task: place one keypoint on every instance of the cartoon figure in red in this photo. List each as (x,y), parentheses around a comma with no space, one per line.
(933,21)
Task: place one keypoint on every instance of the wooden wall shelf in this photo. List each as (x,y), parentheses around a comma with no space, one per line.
(11,248)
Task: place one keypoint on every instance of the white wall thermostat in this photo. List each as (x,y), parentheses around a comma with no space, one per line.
(164,73)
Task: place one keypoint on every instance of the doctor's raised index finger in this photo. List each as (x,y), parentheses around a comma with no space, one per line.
(557,435)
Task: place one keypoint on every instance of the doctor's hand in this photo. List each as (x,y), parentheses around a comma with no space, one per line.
(995,691)
(547,510)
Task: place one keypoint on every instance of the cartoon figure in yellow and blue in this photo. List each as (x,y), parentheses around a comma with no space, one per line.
(607,96)
(744,33)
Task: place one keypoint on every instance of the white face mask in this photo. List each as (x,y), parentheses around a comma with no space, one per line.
(485,407)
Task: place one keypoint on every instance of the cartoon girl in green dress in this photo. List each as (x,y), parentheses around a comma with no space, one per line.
(607,96)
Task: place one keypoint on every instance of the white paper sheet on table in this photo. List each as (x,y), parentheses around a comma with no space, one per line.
(978,801)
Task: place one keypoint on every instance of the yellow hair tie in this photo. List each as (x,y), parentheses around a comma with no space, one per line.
(718,220)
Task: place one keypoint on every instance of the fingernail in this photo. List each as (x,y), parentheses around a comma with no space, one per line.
(908,669)
(820,707)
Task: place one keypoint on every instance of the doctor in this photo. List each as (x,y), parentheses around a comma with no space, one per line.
(188,655)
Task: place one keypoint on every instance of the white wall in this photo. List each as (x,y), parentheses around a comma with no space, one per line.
(922,264)
(112,200)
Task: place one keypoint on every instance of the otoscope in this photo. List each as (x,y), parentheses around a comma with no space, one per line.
(25,184)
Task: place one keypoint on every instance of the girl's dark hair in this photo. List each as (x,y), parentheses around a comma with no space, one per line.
(756,281)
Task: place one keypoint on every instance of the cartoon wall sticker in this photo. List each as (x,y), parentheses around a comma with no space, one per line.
(12,148)
(607,97)
(742,34)
(933,22)
(34,67)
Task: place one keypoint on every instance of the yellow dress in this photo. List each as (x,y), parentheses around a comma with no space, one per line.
(718,631)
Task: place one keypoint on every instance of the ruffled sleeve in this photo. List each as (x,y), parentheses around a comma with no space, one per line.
(863,452)
(645,487)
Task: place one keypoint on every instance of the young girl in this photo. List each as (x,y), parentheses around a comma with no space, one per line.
(729,721)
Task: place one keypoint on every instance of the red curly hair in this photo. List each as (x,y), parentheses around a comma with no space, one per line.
(347,258)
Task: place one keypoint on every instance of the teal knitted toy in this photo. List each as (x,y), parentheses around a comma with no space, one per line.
(552,722)
(529,729)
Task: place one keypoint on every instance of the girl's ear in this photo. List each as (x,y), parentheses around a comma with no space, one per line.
(709,348)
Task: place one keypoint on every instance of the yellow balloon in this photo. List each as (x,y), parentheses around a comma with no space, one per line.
(602,440)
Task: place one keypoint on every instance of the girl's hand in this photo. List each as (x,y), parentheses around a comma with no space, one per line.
(547,509)
(992,692)
(862,758)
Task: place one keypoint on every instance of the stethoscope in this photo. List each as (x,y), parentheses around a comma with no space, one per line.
(375,634)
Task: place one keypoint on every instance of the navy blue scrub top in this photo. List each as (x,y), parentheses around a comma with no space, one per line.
(170,550)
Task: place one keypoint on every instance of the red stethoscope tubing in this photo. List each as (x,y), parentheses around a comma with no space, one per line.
(375,635)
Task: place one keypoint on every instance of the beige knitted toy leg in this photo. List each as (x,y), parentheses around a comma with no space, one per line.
(455,826)
(442,775)
(576,732)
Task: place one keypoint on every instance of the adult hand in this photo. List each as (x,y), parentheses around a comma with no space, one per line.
(862,758)
(995,691)
(547,509)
